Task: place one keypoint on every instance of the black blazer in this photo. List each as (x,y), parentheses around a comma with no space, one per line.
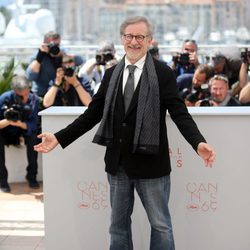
(120,152)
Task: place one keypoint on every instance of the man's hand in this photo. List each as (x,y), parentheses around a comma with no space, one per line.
(19,124)
(72,80)
(207,153)
(49,142)
(44,48)
(193,59)
(59,76)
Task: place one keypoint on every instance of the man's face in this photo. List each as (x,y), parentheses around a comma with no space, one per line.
(136,50)
(24,93)
(198,79)
(69,64)
(53,40)
(219,90)
(189,47)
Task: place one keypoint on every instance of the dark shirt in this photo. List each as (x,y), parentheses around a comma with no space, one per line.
(181,69)
(47,73)
(233,102)
(71,97)
(185,81)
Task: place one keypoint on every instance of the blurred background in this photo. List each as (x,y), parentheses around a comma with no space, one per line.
(83,24)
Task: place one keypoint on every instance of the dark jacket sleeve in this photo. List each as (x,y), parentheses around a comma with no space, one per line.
(89,118)
(175,106)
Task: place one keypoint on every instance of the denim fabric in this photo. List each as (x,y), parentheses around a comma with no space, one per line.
(154,195)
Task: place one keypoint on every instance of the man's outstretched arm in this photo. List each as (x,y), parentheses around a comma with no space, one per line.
(49,142)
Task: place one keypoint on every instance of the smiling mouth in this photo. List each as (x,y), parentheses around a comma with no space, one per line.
(134,47)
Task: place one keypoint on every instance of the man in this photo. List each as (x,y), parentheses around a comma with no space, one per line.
(135,135)
(44,63)
(186,61)
(226,61)
(220,95)
(201,76)
(18,119)
(94,68)
(154,49)
(68,89)
(194,87)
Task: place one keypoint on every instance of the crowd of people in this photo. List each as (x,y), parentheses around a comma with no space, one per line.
(56,77)
(221,81)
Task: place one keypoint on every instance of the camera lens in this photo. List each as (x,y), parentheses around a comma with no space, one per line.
(192,97)
(69,71)
(13,113)
(184,59)
(108,57)
(205,103)
(53,49)
(98,59)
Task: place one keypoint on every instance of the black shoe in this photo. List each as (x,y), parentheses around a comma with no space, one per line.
(4,187)
(33,183)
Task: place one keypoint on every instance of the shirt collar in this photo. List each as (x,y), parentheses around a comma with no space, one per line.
(139,64)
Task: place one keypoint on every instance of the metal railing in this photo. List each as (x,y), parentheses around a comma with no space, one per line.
(23,53)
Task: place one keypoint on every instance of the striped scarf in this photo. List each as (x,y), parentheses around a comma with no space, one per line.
(147,129)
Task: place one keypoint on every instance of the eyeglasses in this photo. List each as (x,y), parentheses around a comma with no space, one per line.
(138,38)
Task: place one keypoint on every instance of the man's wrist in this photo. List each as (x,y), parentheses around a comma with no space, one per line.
(55,84)
(77,85)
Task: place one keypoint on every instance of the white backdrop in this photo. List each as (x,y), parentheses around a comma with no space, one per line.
(16,164)
(209,207)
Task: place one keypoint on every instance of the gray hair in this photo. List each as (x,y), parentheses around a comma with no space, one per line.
(107,46)
(51,35)
(220,77)
(137,19)
(20,83)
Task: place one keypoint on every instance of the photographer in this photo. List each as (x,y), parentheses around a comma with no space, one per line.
(226,61)
(220,94)
(18,119)
(68,89)
(45,61)
(194,87)
(187,60)
(154,49)
(94,68)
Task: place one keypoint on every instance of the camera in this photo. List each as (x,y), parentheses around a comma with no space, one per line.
(245,55)
(184,59)
(54,48)
(16,111)
(13,113)
(193,97)
(69,71)
(154,51)
(196,94)
(103,57)
(205,102)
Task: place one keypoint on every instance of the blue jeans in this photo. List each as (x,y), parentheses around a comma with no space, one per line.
(154,195)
